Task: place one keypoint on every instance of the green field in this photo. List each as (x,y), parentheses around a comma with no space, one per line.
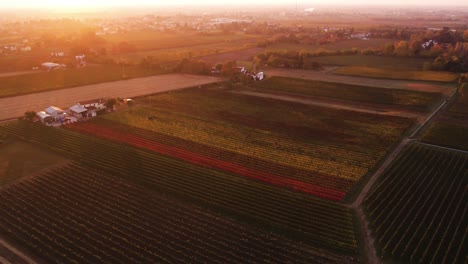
(447,135)
(372,61)
(396,73)
(417,210)
(364,94)
(153,40)
(173,54)
(340,45)
(58,79)
(19,159)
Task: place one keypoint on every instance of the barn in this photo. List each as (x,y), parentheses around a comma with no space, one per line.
(44,117)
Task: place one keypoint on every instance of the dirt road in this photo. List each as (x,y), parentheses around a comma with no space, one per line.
(9,254)
(6,74)
(332,104)
(12,107)
(373,82)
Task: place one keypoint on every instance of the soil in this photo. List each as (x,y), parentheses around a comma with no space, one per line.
(13,107)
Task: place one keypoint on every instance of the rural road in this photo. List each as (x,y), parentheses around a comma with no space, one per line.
(6,74)
(13,107)
(364,81)
(335,105)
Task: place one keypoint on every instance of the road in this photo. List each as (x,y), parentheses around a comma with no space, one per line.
(6,74)
(13,107)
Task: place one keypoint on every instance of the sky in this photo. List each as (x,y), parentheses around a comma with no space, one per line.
(116,3)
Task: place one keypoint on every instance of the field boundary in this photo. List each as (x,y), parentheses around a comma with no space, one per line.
(16,251)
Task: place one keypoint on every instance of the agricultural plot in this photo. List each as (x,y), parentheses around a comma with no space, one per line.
(363,94)
(395,73)
(451,128)
(418,208)
(448,135)
(339,45)
(316,150)
(19,159)
(302,217)
(76,214)
(372,61)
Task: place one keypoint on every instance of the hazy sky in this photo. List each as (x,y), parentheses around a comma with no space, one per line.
(311,3)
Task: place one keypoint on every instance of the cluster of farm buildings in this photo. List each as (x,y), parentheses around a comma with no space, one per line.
(53,115)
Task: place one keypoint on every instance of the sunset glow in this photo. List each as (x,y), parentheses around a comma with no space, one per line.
(60,4)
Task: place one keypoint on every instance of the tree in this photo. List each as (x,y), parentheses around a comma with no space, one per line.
(111,102)
(29,115)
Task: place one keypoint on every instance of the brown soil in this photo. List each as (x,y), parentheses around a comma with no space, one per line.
(13,107)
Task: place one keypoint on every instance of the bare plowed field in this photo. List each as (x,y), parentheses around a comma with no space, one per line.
(13,107)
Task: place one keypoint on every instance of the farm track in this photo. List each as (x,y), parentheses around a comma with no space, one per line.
(336,105)
(18,257)
(364,81)
(16,73)
(13,107)
(357,204)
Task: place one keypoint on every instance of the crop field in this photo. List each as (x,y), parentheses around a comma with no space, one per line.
(431,87)
(77,214)
(19,159)
(13,107)
(301,217)
(339,45)
(174,54)
(372,61)
(363,94)
(152,40)
(395,73)
(315,150)
(451,127)
(448,135)
(53,80)
(418,209)
(244,55)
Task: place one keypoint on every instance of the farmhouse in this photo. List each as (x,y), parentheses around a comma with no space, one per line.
(44,117)
(54,111)
(97,103)
(78,111)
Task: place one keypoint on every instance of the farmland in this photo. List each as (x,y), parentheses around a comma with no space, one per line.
(450,129)
(418,207)
(19,159)
(371,61)
(287,143)
(301,217)
(395,73)
(76,214)
(434,87)
(340,45)
(362,94)
(59,79)
(13,107)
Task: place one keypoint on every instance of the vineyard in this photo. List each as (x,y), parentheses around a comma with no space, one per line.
(74,214)
(451,128)
(447,135)
(418,209)
(301,148)
(301,217)
(397,97)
